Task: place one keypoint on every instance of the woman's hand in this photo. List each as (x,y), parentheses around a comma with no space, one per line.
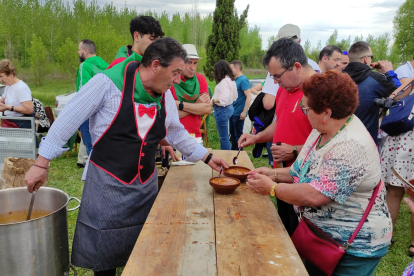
(259,183)
(264,171)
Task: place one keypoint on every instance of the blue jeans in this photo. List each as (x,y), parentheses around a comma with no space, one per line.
(236,130)
(349,265)
(222,116)
(86,136)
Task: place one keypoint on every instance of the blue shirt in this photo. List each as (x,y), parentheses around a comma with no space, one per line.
(242,84)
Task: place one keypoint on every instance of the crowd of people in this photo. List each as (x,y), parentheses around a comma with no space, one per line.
(324,138)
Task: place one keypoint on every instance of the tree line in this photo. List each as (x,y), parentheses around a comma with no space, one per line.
(43,35)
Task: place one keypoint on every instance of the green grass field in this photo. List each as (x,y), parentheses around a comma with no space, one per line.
(65,175)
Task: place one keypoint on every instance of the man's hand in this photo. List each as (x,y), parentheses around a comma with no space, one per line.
(282,153)
(385,66)
(203,98)
(243,115)
(216,162)
(246,140)
(170,150)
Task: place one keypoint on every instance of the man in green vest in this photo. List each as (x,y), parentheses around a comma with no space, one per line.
(191,94)
(91,64)
(144,30)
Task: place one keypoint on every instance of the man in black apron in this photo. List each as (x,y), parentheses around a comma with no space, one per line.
(131,109)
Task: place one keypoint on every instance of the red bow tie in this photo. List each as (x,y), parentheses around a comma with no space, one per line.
(150,111)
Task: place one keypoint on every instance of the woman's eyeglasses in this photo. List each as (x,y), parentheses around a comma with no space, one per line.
(305,109)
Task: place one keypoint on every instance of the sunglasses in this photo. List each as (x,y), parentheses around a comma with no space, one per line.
(345,53)
(371,56)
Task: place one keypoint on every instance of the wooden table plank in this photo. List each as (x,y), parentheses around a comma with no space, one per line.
(250,237)
(178,236)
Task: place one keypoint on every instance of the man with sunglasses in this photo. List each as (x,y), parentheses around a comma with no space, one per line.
(371,85)
(288,67)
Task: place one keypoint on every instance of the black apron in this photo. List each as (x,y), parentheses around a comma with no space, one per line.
(120,187)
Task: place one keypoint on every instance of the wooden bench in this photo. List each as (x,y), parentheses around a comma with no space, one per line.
(193,231)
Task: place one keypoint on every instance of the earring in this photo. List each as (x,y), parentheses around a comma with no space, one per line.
(324,121)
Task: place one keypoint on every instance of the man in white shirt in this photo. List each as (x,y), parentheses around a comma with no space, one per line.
(330,58)
(405,71)
(270,87)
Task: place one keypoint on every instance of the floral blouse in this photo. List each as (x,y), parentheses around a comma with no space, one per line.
(346,169)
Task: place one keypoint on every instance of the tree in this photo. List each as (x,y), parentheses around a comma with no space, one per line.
(39,62)
(403,28)
(332,39)
(224,41)
(67,58)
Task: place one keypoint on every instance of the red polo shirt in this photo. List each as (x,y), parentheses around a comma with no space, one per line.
(292,127)
(191,122)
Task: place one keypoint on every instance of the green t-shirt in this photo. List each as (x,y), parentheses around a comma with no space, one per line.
(89,68)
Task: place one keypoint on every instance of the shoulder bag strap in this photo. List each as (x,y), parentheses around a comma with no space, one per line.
(364,217)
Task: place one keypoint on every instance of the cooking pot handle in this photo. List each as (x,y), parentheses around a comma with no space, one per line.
(73,209)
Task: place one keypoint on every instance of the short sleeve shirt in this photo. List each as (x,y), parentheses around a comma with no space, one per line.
(405,71)
(346,169)
(192,122)
(292,126)
(16,94)
(242,84)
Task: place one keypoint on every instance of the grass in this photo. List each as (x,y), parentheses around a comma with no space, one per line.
(66,176)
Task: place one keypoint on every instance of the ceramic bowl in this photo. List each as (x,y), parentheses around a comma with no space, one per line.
(242,177)
(227,186)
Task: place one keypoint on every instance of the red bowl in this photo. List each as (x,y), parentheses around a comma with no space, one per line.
(241,177)
(228,185)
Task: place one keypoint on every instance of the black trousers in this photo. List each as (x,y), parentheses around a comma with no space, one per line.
(111,272)
(288,216)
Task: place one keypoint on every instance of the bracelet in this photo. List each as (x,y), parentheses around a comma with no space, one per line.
(208,158)
(12,108)
(272,191)
(46,168)
(275,175)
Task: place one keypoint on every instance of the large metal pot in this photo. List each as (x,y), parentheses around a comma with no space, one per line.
(40,246)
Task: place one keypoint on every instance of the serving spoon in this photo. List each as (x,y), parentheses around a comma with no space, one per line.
(29,213)
(235,158)
(221,170)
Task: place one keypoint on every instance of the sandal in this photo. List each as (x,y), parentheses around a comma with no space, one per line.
(410,253)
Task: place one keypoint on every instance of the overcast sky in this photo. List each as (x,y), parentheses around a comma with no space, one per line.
(317,19)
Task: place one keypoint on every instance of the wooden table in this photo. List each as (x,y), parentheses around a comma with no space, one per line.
(191,230)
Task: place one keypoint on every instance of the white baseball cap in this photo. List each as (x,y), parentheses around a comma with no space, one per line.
(191,51)
(290,31)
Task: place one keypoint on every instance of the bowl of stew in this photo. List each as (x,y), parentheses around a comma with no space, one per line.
(237,172)
(224,185)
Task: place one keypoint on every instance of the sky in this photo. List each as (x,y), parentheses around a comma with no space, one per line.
(317,19)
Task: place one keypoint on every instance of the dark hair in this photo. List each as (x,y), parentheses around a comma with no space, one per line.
(145,25)
(221,70)
(238,64)
(7,67)
(357,50)
(165,50)
(90,45)
(287,51)
(328,51)
(333,90)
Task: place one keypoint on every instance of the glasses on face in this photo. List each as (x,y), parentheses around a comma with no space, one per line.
(305,109)
(278,77)
(371,56)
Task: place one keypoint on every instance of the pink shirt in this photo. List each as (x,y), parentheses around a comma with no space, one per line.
(225,92)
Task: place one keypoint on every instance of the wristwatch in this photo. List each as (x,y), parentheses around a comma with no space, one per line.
(181,106)
(295,152)
(272,191)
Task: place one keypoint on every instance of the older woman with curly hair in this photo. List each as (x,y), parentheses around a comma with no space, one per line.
(334,175)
